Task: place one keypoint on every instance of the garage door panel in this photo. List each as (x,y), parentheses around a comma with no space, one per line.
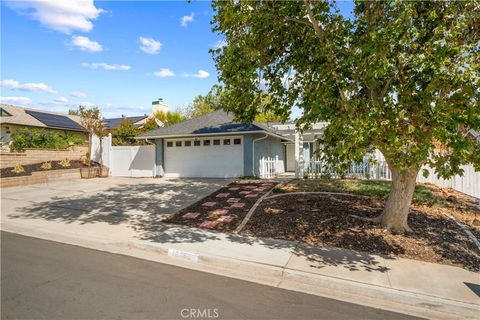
(204,161)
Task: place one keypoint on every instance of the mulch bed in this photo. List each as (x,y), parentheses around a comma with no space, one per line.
(224,209)
(30,168)
(326,220)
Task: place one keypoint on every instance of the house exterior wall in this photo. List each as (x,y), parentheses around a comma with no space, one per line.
(160,157)
(268,147)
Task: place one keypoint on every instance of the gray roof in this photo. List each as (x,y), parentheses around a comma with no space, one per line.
(113,123)
(218,121)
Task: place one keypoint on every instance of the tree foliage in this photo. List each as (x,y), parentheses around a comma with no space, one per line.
(125,134)
(210,102)
(170,117)
(399,76)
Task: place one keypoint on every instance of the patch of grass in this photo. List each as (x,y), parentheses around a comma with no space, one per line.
(381,189)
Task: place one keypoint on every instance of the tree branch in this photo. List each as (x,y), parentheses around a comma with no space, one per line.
(313,20)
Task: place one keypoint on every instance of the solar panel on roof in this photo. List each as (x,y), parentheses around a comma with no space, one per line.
(55,120)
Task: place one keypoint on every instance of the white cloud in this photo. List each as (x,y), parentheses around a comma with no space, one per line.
(185,20)
(78,94)
(106,66)
(60,100)
(201,74)
(163,73)
(60,15)
(149,45)
(85,44)
(29,86)
(18,100)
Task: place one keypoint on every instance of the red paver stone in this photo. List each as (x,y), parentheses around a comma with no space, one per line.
(249,187)
(231,200)
(225,219)
(259,189)
(223,195)
(237,205)
(191,215)
(218,212)
(209,224)
(209,204)
(252,195)
(234,189)
(244,192)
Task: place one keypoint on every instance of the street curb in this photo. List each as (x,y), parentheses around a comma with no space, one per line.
(390,299)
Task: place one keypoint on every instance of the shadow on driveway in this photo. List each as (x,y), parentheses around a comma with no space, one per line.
(144,206)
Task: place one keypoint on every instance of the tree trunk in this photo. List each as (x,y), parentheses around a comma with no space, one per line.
(89,158)
(395,213)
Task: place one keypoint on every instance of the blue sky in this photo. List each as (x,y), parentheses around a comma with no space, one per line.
(118,55)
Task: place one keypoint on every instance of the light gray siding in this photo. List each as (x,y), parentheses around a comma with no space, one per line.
(268,147)
(159,158)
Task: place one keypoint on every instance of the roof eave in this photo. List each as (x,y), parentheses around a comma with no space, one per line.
(212,134)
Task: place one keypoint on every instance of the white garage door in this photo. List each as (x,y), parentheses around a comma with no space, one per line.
(218,157)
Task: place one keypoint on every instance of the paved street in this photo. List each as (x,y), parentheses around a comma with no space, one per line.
(49,280)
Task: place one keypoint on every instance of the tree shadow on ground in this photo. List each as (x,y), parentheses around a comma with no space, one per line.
(141,205)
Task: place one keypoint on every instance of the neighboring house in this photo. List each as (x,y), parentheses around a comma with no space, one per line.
(113,123)
(13,118)
(214,145)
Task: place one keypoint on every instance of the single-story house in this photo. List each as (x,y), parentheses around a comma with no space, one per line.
(113,123)
(13,118)
(214,145)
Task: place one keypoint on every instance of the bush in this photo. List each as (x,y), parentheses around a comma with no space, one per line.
(41,138)
(46,165)
(18,168)
(65,163)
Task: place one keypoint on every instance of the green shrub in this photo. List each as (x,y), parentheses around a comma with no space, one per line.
(18,168)
(41,138)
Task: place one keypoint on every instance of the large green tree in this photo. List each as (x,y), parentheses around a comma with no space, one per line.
(398,76)
(204,104)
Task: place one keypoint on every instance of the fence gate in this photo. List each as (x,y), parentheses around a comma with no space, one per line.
(132,161)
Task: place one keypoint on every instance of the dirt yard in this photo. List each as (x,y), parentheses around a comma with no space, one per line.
(328,220)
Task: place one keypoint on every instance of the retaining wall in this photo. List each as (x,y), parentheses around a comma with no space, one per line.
(41,177)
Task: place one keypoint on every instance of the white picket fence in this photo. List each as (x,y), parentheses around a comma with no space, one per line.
(468,183)
(270,167)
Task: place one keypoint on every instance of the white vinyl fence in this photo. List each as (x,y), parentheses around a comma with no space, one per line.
(469,183)
(270,167)
(125,161)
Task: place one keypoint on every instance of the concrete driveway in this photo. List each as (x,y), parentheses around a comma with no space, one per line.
(137,203)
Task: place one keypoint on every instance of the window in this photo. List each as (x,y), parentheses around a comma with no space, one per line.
(187,143)
(196,143)
(237,141)
(169,144)
(206,142)
(216,142)
(178,143)
(226,142)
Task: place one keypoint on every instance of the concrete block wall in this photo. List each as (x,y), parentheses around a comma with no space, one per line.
(31,156)
(41,177)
